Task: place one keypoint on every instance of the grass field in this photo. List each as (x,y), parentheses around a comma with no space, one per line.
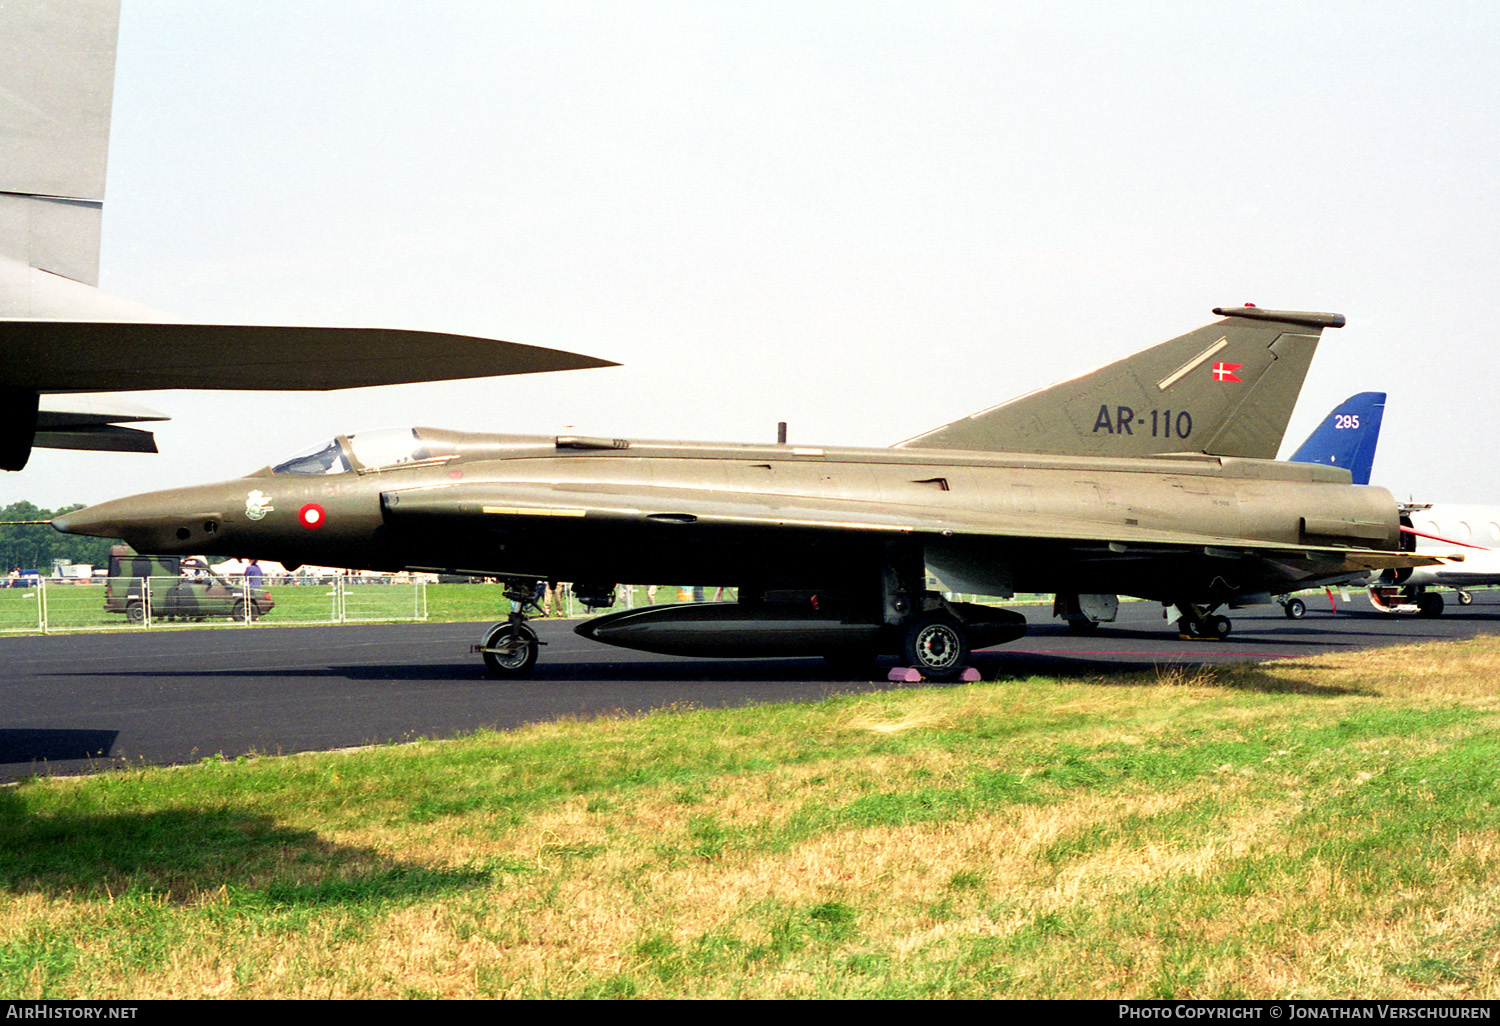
(1318,829)
(81,606)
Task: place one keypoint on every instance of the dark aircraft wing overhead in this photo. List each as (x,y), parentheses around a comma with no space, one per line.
(78,422)
(86,356)
(59,333)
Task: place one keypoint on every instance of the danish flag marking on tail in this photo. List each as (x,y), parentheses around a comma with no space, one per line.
(1226,372)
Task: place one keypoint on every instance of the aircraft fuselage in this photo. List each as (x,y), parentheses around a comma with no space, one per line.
(610,510)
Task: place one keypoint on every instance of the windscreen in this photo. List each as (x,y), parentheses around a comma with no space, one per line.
(369,450)
(323,458)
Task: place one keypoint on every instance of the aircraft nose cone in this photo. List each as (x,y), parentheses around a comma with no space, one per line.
(164,522)
(98,521)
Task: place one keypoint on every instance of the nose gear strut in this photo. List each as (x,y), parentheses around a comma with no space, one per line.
(510,647)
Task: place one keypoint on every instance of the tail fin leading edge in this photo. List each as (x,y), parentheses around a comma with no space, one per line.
(1347,436)
(1226,389)
(57,63)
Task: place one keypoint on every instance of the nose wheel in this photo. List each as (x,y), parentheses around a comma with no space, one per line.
(510,648)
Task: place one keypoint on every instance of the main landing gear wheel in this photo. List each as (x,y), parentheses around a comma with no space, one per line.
(1215,628)
(1430,604)
(1083,626)
(1294,608)
(510,650)
(937,647)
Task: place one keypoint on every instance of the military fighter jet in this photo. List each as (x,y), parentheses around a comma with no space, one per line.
(1154,476)
(59,333)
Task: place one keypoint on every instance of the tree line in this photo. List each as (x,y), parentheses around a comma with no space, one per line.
(37,546)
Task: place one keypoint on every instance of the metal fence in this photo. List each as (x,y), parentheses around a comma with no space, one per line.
(126,603)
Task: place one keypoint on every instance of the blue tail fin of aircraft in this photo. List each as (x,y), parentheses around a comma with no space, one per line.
(1347,437)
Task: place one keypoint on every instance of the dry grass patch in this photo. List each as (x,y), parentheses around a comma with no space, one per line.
(1319,829)
(1467,671)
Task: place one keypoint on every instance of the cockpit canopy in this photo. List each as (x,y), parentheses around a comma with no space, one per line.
(367,450)
(323,458)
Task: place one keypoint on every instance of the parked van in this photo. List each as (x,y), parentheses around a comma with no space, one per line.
(138,585)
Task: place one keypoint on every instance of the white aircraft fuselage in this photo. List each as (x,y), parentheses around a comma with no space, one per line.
(1467,536)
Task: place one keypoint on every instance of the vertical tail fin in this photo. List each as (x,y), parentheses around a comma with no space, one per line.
(57,67)
(1226,389)
(1347,437)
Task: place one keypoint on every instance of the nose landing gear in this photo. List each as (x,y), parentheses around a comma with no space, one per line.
(510,647)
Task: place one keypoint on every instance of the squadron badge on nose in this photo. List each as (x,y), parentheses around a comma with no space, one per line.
(257,505)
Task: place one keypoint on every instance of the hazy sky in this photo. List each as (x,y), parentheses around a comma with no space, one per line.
(863,218)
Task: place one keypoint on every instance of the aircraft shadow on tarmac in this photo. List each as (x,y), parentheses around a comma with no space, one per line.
(1272,637)
(667,670)
(182,854)
(1267,630)
(30,745)
(996,665)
